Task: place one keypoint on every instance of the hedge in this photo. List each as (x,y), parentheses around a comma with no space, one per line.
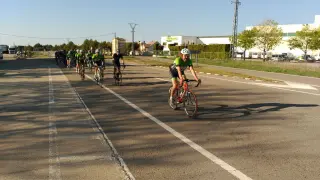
(204,48)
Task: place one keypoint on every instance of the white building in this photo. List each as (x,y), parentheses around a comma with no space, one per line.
(178,41)
(288,32)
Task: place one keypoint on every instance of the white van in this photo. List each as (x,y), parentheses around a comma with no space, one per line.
(256,55)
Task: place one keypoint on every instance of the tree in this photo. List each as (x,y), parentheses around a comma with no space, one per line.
(315,42)
(305,39)
(105,45)
(86,45)
(38,47)
(70,46)
(268,36)
(28,48)
(246,40)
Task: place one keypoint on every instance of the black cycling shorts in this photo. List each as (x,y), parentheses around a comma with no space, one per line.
(99,63)
(174,73)
(116,64)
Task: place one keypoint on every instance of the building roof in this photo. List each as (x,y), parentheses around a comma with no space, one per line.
(214,36)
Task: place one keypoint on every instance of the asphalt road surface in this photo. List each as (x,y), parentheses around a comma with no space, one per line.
(56,126)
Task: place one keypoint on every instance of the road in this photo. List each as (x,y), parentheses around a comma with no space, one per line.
(51,121)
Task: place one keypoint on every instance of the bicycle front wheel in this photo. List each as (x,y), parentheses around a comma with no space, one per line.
(190,104)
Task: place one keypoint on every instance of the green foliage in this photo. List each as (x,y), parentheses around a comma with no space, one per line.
(204,48)
(129,46)
(306,39)
(268,35)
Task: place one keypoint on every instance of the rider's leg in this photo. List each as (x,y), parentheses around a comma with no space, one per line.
(173,89)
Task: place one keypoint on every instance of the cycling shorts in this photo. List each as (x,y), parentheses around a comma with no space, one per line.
(99,63)
(174,73)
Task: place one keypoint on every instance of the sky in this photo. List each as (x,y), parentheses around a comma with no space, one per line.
(54,21)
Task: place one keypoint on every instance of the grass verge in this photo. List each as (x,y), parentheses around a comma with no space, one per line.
(154,62)
(305,69)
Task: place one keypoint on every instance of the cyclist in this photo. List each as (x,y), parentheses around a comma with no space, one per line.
(98,60)
(77,54)
(81,60)
(69,58)
(176,70)
(116,63)
(89,59)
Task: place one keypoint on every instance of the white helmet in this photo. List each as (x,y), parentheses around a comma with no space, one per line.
(81,51)
(185,51)
(97,50)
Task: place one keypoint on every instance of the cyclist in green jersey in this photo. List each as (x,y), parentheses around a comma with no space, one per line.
(98,60)
(89,58)
(69,58)
(81,57)
(176,70)
(77,54)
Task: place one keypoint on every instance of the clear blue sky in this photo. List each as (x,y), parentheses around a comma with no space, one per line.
(78,18)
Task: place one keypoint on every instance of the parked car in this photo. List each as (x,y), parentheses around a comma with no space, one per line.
(288,56)
(278,57)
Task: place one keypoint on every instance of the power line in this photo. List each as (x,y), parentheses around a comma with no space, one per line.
(33,37)
(235,26)
(133,26)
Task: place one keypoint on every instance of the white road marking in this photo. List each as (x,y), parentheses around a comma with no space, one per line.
(54,163)
(115,152)
(195,146)
(257,84)
(300,85)
(97,129)
(162,79)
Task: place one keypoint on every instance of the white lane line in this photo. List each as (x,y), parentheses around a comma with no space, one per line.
(300,85)
(257,84)
(192,144)
(54,162)
(115,152)
(162,79)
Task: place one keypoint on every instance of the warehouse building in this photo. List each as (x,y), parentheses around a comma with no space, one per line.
(289,31)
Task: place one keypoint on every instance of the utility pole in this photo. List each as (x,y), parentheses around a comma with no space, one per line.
(235,27)
(133,26)
(115,35)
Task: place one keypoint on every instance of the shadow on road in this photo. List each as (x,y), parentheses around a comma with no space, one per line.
(246,110)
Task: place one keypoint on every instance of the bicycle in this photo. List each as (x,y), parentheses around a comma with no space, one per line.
(98,76)
(117,76)
(81,70)
(184,96)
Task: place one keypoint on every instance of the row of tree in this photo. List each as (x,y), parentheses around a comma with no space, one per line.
(267,35)
(86,45)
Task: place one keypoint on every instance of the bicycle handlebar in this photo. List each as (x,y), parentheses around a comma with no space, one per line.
(188,80)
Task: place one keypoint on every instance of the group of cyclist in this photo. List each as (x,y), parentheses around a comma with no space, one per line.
(82,58)
(176,69)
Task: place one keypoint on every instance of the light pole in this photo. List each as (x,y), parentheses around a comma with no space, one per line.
(133,26)
(235,26)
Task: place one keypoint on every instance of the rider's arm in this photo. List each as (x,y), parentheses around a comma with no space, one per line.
(179,72)
(122,59)
(193,73)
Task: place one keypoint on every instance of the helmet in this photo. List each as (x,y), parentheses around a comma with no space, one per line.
(97,50)
(185,51)
(81,51)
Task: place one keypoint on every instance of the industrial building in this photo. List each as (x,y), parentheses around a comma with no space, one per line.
(289,31)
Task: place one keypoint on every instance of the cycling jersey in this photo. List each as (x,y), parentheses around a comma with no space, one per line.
(182,64)
(98,57)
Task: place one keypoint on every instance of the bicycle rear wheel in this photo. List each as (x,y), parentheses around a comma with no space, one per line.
(82,71)
(190,104)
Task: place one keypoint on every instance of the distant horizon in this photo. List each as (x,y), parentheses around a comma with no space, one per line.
(64,19)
